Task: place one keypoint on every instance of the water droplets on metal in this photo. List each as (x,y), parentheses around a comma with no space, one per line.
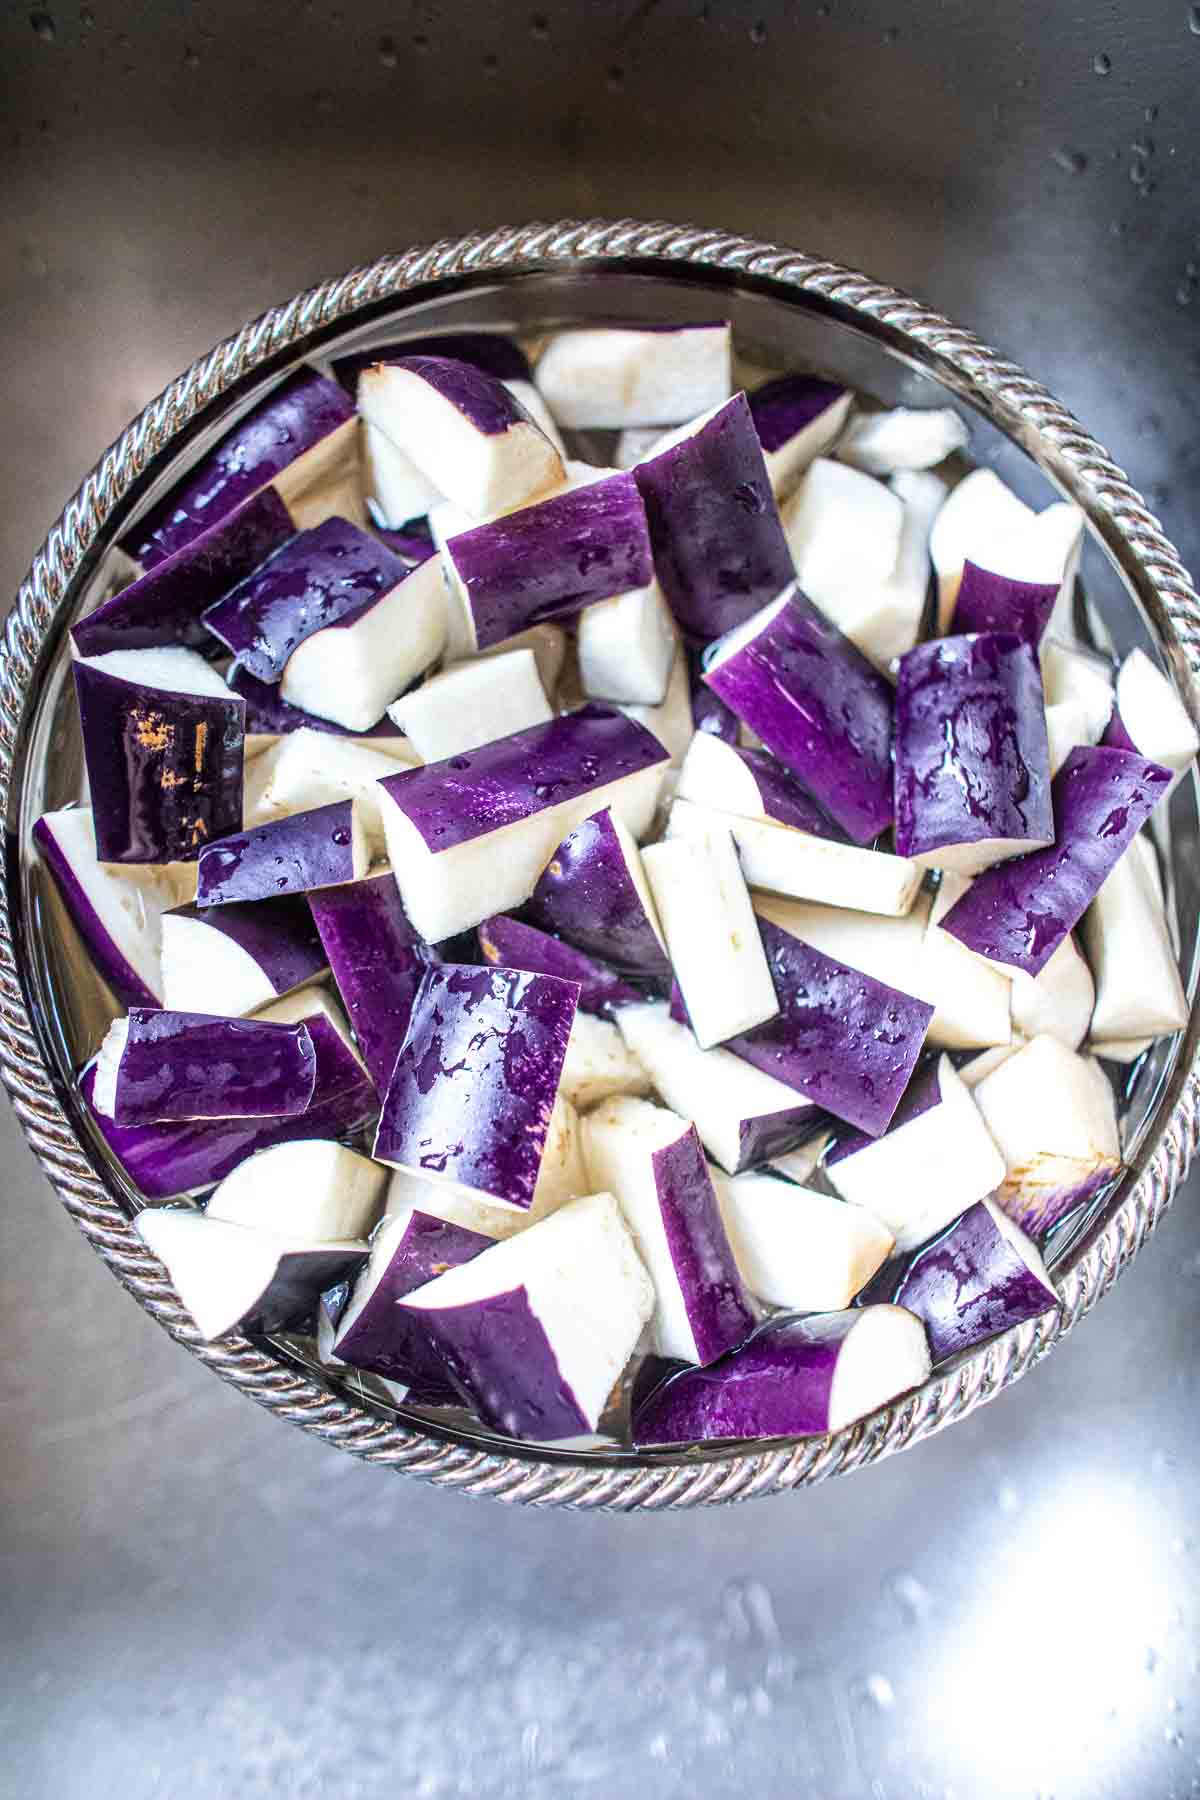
(1101,63)
(1072,162)
(43,26)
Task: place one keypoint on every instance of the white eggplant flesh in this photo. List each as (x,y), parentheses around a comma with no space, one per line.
(799,1165)
(603,378)
(635,444)
(1139,993)
(1081,679)
(952,962)
(984,522)
(798,1248)
(1121,1050)
(1152,716)
(626,647)
(312,1190)
(471,704)
(397,491)
(599,1063)
(307,769)
(1058,1000)
(117,909)
(671,721)
(906,438)
(704,909)
(842,527)
(884,618)
(778,859)
(167,667)
(325,481)
(926,1169)
(528,396)
(206,969)
(1070,723)
(788,459)
(980,1067)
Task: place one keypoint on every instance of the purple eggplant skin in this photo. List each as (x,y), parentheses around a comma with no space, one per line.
(489,351)
(719,547)
(190,1156)
(990,602)
(785,801)
(164,605)
(411,546)
(479,397)
(125,982)
(767,1135)
(267,714)
(965,1285)
(278,933)
(327,576)
(821,708)
(302,411)
(475,1081)
(1019,912)
(1115,735)
(291,855)
(550,559)
(194,1066)
(709,711)
(465,797)
(587,895)
(483,1343)
(165,768)
(377,961)
(718,1310)
(512,944)
(921,1095)
(387,1340)
(972,757)
(783,407)
(300,1278)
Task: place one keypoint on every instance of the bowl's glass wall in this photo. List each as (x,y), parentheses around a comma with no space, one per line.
(772,331)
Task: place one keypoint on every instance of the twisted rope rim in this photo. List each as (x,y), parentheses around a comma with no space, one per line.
(1000,389)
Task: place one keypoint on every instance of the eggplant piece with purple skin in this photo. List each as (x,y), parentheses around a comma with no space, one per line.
(268,714)
(972,781)
(594,893)
(750,784)
(817,704)
(1149,717)
(309,1188)
(165,605)
(307,850)
(511,943)
(797,418)
(550,559)
(377,961)
(610,377)
(157,1066)
(719,548)
(980,1276)
(118,917)
(709,712)
(163,740)
(491,352)
(990,602)
(240,957)
(294,438)
(1018,913)
(473,1088)
(795,1378)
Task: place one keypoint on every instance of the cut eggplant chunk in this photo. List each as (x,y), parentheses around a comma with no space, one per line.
(883,617)
(981,1276)
(798,1248)
(846,1042)
(374,1333)
(1059,1001)
(1053,1115)
(1139,993)
(795,1378)
(750,784)
(536,1330)
(118,916)
(163,740)
(599,1063)
(712,939)
(397,490)
(719,548)
(234,959)
(512,944)
(155,1066)
(308,769)
(286,856)
(1019,912)
(886,443)
(1081,679)
(549,646)
(652,1160)
(594,892)
(937,1159)
(232,1279)
(709,713)
(797,418)
(983,522)
(972,1072)
(635,443)
(972,782)
(743,1115)
(269,717)
(817,704)
(471,1094)
(1149,717)
(1068,725)
(302,439)
(165,605)
(605,379)
(842,527)
(471,835)
(671,722)
(473,703)
(351,669)
(462,429)
(492,352)
(626,647)
(780,860)
(313,1190)
(990,602)
(376,960)
(549,560)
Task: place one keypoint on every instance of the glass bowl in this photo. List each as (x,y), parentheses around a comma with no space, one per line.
(788,310)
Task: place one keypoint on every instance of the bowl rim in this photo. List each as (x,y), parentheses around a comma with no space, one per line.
(1078,465)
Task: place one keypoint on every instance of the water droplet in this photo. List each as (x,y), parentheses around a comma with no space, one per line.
(1009,1498)
(1143,146)
(891,34)
(491,63)
(389,56)
(87,18)
(420,42)
(1117,228)
(615,79)
(1101,64)
(191,59)
(1173,1737)
(322,101)
(879,1691)
(1139,174)
(1174,1704)
(758,32)
(1194,20)
(1150,114)
(1072,162)
(911,1596)
(539,25)
(822,12)
(43,26)
(1150,1659)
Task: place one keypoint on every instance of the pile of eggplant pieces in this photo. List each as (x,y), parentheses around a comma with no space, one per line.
(626,946)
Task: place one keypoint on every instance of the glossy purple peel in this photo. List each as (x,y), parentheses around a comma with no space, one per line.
(292,855)
(166,1066)
(990,602)
(511,943)
(1019,912)
(783,408)
(719,549)
(103,940)
(377,960)
(489,351)
(592,893)
(718,1310)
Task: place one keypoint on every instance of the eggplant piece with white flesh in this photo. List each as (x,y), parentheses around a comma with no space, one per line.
(313,1189)
(797,418)
(594,892)
(798,1248)
(377,961)
(234,959)
(608,378)
(322,848)
(117,912)
(902,439)
(156,1066)
(473,703)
